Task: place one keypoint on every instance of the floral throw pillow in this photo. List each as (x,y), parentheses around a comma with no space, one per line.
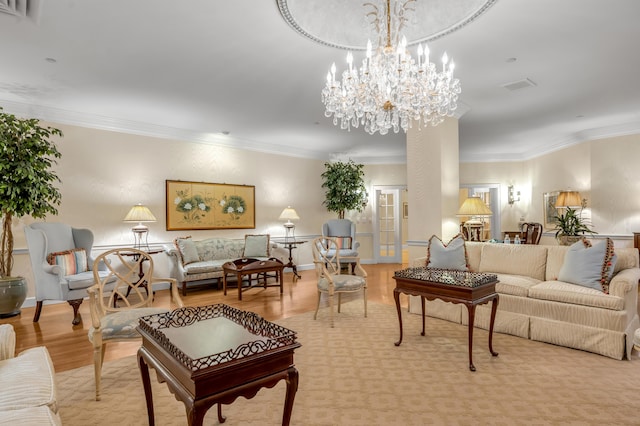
(71,262)
(452,255)
(589,265)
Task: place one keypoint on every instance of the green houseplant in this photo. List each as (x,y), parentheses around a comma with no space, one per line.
(26,188)
(345,190)
(570,227)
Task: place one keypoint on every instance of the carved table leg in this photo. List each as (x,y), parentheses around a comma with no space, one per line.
(423,321)
(494,308)
(292,388)
(472,315)
(396,296)
(221,418)
(146,384)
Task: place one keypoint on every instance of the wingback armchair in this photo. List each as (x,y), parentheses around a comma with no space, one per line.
(62,264)
(344,231)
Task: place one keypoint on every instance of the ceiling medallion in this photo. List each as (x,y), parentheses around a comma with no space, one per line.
(390,89)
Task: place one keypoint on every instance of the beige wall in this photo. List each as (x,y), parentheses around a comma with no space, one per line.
(604,171)
(104,173)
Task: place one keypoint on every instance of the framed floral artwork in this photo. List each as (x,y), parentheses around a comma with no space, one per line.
(201,205)
(549,209)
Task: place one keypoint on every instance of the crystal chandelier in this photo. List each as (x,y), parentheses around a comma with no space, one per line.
(391,89)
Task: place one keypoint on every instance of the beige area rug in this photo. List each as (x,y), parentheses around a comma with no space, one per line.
(354,375)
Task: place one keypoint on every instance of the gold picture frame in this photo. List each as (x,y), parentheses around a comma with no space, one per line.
(549,209)
(201,205)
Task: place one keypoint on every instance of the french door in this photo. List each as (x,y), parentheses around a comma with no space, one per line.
(387,218)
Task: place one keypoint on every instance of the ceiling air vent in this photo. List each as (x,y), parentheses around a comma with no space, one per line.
(520,84)
(14,7)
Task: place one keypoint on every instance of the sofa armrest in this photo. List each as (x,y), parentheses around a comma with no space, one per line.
(624,282)
(7,342)
(172,252)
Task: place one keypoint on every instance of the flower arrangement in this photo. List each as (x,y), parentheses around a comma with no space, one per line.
(233,205)
(193,208)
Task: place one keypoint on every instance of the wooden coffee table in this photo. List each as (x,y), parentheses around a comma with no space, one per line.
(249,266)
(213,354)
(468,288)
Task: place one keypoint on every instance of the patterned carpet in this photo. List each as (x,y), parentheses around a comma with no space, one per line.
(354,375)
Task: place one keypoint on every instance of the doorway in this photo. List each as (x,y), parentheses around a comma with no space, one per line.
(490,194)
(390,213)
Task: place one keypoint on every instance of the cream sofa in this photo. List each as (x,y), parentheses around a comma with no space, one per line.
(534,305)
(212,253)
(27,390)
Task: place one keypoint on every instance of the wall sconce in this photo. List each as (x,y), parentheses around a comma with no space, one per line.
(513,195)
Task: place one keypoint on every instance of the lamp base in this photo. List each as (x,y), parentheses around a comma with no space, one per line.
(290,229)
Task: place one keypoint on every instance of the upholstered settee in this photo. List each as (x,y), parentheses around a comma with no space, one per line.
(27,391)
(200,261)
(535,304)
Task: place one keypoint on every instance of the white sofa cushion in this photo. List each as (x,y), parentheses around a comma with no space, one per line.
(524,259)
(27,381)
(32,416)
(187,250)
(560,291)
(517,285)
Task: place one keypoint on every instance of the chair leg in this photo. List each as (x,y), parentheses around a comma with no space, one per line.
(317,306)
(97,368)
(364,296)
(184,288)
(36,316)
(339,301)
(76,316)
(331,309)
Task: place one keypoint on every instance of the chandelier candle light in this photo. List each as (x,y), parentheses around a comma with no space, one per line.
(391,89)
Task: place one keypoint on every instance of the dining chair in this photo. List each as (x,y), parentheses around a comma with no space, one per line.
(327,261)
(119,299)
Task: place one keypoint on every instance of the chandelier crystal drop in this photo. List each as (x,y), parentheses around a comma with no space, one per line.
(390,89)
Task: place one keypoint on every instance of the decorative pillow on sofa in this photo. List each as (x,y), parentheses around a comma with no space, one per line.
(589,265)
(187,249)
(256,245)
(71,262)
(452,255)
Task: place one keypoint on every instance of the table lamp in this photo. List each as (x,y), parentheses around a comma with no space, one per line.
(569,199)
(476,209)
(289,214)
(140,214)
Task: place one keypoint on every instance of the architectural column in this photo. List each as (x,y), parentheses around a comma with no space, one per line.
(433,182)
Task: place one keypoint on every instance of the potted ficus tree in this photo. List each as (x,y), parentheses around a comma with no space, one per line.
(570,227)
(27,153)
(345,190)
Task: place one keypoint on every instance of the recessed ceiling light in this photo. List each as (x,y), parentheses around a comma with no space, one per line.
(51,60)
(511,59)
(225,132)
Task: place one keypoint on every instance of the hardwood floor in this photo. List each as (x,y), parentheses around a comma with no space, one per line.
(70,348)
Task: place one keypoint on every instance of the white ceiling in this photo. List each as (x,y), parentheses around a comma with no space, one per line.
(194,70)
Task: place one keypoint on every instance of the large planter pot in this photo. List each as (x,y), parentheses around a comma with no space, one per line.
(13,292)
(567,240)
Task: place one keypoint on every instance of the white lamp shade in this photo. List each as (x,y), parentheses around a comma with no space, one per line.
(569,199)
(474,206)
(289,214)
(139,213)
